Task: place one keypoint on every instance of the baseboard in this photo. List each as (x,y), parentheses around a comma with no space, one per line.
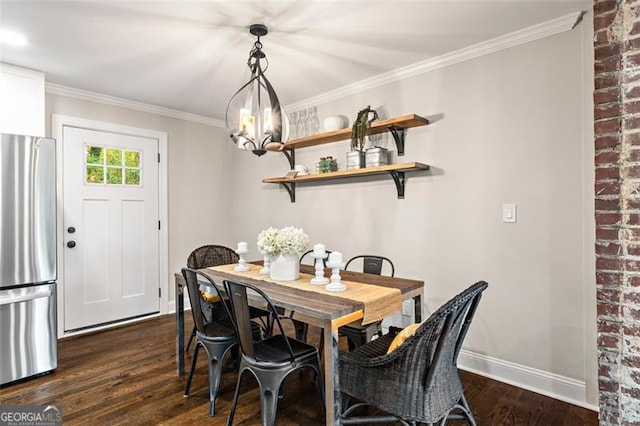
(542,382)
(171,305)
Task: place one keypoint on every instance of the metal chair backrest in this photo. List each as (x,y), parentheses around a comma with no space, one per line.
(237,292)
(211,255)
(193,288)
(372,264)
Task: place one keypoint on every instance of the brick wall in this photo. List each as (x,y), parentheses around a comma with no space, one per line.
(617,206)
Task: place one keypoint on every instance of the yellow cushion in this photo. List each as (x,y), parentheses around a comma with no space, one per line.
(403,335)
(209,297)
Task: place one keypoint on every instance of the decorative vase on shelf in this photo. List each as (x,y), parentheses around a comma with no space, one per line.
(285,267)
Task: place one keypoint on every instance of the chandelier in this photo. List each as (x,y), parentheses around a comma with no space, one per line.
(254,117)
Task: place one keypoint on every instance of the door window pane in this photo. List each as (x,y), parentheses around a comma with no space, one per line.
(114,157)
(132,176)
(95,155)
(95,174)
(114,175)
(132,159)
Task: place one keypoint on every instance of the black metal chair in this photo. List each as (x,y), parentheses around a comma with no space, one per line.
(215,255)
(356,333)
(418,381)
(270,360)
(204,257)
(217,337)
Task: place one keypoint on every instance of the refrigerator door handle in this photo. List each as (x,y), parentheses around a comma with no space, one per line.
(24,298)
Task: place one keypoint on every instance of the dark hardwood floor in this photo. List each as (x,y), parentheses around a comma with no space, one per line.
(127,375)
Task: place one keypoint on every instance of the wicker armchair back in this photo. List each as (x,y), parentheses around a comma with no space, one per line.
(419,381)
(211,255)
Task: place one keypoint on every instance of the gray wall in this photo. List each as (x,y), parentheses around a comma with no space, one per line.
(509,127)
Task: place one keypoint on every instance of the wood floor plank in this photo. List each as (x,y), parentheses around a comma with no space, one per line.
(126,376)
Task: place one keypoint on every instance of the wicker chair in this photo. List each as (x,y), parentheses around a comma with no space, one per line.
(419,381)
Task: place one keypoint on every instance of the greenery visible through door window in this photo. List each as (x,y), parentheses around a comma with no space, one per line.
(105,165)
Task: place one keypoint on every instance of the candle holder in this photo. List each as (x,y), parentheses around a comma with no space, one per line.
(335,284)
(266,262)
(319,279)
(242,262)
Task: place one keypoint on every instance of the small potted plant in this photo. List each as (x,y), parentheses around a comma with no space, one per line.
(359,132)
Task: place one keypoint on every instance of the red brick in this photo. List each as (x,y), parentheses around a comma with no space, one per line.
(631,393)
(633,61)
(608,249)
(606,65)
(611,125)
(633,155)
(603,7)
(608,264)
(607,295)
(632,219)
(608,218)
(632,361)
(605,51)
(608,188)
(607,157)
(608,309)
(631,265)
(607,81)
(631,203)
(631,298)
(607,233)
(632,107)
(631,123)
(601,37)
(631,330)
(609,279)
(607,386)
(606,96)
(631,45)
(603,21)
(608,341)
(632,234)
(631,172)
(635,29)
(609,327)
(607,173)
(632,138)
(633,281)
(633,250)
(610,110)
(613,204)
(605,142)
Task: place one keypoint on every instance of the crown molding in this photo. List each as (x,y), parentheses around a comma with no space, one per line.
(58,89)
(526,35)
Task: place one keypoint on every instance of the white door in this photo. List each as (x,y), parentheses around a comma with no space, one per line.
(111,221)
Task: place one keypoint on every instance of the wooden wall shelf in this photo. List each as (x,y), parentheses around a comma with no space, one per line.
(396,126)
(396,171)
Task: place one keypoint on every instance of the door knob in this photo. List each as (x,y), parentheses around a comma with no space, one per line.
(71,244)
(71,229)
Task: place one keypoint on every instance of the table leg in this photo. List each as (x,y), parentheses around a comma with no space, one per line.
(417,306)
(331,381)
(180,328)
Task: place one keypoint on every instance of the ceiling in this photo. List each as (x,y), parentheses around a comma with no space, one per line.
(191,56)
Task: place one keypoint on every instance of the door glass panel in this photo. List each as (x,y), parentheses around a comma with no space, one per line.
(132,176)
(132,159)
(114,175)
(95,155)
(114,157)
(95,174)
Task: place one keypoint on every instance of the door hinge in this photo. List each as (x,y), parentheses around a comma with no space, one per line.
(158,157)
(158,225)
(159,292)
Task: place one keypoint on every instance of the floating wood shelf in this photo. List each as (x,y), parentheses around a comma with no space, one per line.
(396,171)
(395,125)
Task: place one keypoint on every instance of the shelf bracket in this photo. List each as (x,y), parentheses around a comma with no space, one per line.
(398,178)
(291,156)
(291,189)
(398,135)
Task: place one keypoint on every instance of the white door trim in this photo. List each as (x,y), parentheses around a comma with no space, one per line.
(58,122)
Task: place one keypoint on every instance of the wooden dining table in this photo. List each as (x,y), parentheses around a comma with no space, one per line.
(328,311)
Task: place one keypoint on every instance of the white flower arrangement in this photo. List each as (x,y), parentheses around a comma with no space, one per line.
(288,240)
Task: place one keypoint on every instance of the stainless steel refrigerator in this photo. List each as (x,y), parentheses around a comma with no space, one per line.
(27,257)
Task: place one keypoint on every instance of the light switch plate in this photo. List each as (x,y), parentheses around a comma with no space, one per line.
(509,213)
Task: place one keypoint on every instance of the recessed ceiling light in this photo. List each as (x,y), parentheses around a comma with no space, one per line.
(12,38)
